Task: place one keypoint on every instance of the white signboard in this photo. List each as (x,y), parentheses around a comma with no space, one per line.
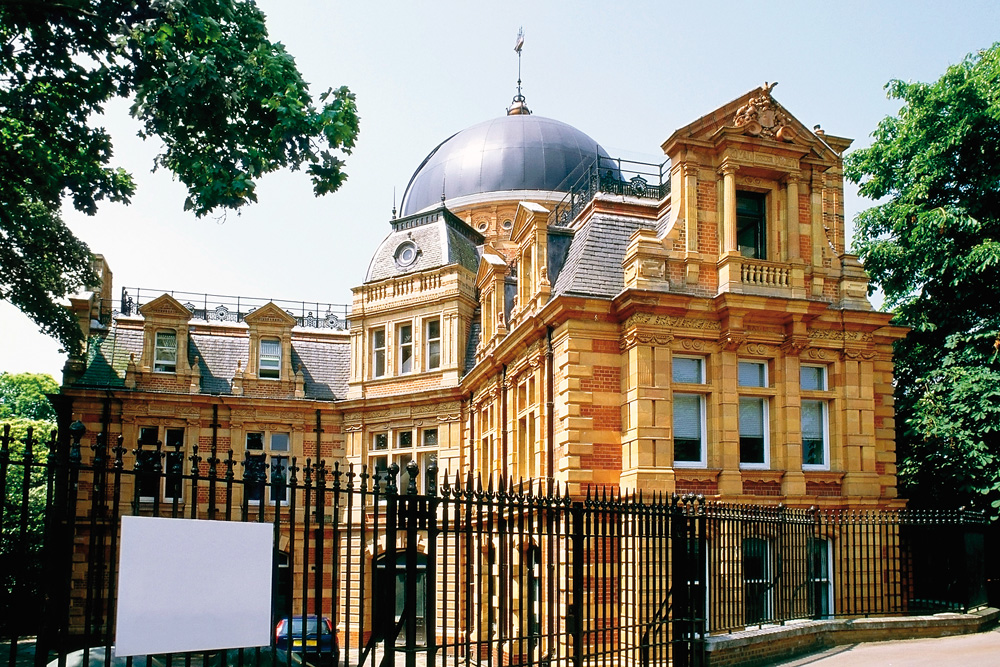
(188,585)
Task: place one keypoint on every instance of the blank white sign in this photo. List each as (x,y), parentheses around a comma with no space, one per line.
(190,585)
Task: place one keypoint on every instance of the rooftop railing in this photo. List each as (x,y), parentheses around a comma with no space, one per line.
(615,176)
(225,308)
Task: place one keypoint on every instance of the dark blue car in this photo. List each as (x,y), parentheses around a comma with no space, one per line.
(312,638)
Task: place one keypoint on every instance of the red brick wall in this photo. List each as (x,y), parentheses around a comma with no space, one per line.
(604,378)
(762,488)
(606,456)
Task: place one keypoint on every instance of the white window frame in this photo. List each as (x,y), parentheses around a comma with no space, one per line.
(432,342)
(703,446)
(404,348)
(269,366)
(765,412)
(164,364)
(825,427)
(378,352)
(755,394)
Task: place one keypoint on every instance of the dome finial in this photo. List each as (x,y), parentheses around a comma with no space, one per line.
(517,106)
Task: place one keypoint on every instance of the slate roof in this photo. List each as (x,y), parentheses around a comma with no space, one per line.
(108,355)
(475,333)
(441,239)
(593,264)
(325,365)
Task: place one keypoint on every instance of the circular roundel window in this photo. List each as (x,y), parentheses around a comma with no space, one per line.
(482,225)
(508,223)
(407,253)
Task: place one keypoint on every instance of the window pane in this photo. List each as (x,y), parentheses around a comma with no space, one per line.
(434,329)
(405,334)
(406,439)
(812,378)
(381,441)
(406,359)
(270,348)
(752,374)
(279,442)
(687,428)
(687,416)
(687,370)
(434,354)
(378,338)
(165,352)
(752,417)
(430,437)
(812,419)
(255,441)
(175,437)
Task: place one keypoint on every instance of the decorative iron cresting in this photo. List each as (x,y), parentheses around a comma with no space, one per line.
(224,308)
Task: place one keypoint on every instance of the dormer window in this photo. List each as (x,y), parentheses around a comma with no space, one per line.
(270,358)
(406,253)
(751,237)
(165,352)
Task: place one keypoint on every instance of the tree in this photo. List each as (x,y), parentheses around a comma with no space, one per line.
(23,395)
(933,246)
(228,104)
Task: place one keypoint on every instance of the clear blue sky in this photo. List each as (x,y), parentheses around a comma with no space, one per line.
(627,74)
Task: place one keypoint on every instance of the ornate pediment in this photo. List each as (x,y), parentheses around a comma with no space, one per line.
(762,117)
(165,307)
(271,315)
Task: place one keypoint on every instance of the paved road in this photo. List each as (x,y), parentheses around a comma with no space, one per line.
(979,650)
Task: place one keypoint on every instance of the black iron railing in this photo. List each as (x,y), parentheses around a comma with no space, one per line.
(628,178)
(455,572)
(225,308)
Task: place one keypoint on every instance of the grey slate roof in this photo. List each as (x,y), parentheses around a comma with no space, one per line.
(217,357)
(440,237)
(108,357)
(593,264)
(475,333)
(325,365)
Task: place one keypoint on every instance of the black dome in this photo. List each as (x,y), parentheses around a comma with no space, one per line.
(520,152)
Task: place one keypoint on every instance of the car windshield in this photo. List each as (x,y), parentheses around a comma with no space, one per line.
(297,626)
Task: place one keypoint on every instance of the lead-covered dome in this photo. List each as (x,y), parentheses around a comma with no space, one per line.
(510,153)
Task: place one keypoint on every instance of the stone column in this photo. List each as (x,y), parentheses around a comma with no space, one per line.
(691,207)
(793,216)
(729,206)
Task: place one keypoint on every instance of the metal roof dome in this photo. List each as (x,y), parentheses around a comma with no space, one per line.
(513,152)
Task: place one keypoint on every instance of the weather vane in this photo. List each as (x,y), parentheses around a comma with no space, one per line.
(518,106)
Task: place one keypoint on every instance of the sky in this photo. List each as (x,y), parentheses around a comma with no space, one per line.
(626,74)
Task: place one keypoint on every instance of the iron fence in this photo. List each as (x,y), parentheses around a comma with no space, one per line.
(463,573)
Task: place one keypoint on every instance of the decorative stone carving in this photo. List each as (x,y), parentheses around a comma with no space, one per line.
(761,117)
(671,322)
(758,349)
(693,344)
(633,338)
(731,340)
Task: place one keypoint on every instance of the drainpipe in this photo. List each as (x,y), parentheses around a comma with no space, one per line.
(550,427)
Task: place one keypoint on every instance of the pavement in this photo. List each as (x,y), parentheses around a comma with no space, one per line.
(976,650)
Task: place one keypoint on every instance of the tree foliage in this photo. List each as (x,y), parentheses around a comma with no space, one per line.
(22,395)
(932,245)
(227,104)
